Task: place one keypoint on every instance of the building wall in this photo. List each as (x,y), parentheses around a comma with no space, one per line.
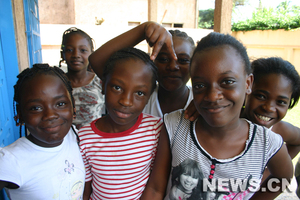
(117,12)
(178,11)
(57,12)
(268,43)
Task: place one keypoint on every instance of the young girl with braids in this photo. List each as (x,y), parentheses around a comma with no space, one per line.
(47,163)
(76,47)
(119,148)
(226,146)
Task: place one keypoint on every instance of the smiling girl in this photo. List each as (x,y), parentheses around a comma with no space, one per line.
(47,163)
(224,145)
(119,148)
(76,47)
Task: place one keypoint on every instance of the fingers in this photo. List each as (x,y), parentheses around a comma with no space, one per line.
(157,36)
(191,112)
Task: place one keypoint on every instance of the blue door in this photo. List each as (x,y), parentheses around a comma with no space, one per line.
(33,31)
(9,64)
(8,72)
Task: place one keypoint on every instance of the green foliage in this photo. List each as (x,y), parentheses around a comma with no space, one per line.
(206,19)
(283,17)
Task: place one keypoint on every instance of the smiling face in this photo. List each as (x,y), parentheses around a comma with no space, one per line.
(76,53)
(269,100)
(187,182)
(174,74)
(46,109)
(127,91)
(219,85)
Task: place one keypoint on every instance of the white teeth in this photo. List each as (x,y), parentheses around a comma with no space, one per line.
(264,118)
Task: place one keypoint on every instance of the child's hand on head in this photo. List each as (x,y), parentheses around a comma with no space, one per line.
(156,36)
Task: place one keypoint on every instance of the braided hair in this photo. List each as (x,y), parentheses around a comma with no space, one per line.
(182,35)
(130,53)
(72,31)
(30,73)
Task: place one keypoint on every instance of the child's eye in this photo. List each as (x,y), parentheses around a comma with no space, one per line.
(83,50)
(199,86)
(140,93)
(162,59)
(68,50)
(35,108)
(282,102)
(183,60)
(260,96)
(61,104)
(228,82)
(118,88)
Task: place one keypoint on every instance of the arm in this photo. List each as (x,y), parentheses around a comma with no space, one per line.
(155,34)
(87,190)
(280,167)
(157,183)
(8,185)
(290,135)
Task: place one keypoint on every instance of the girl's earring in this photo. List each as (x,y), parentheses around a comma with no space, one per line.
(249,90)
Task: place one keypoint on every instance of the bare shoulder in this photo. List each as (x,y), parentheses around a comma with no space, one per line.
(288,131)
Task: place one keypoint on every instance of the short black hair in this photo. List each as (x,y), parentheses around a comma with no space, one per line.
(276,65)
(130,53)
(215,39)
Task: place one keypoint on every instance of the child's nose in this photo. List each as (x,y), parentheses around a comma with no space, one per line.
(126,99)
(269,107)
(173,65)
(213,94)
(75,53)
(49,114)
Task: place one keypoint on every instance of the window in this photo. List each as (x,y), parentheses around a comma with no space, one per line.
(134,23)
(172,25)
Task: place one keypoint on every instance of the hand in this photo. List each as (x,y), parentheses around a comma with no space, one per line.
(191,112)
(156,36)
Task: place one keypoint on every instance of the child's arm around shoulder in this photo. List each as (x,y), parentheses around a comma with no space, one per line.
(290,135)
(280,167)
(157,183)
(155,34)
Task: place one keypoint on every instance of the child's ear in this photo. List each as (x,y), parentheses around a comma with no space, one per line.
(18,118)
(249,83)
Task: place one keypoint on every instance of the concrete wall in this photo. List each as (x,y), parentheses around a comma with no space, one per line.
(117,12)
(51,37)
(285,44)
(57,12)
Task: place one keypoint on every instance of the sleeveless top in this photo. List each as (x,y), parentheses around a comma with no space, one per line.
(196,162)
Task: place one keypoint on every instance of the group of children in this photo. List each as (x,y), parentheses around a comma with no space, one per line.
(146,146)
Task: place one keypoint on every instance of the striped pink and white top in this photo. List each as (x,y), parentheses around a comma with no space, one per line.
(118,164)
